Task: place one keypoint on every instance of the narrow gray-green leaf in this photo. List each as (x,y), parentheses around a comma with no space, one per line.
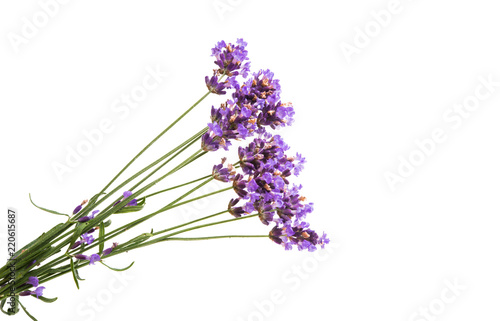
(74,273)
(78,273)
(93,199)
(47,210)
(101,238)
(118,270)
(44,299)
(1,306)
(78,231)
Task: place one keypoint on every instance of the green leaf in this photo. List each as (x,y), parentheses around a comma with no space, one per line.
(93,199)
(44,299)
(22,306)
(9,311)
(78,273)
(15,255)
(118,270)
(101,237)
(78,231)
(74,273)
(139,239)
(58,270)
(1,306)
(47,210)
(38,241)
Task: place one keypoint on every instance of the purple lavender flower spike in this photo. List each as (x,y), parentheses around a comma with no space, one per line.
(300,165)
(109,250)
(214,86)
(210,143)
(126,194)
(323,240)
(234,210)
(33,280)
(93,258)
(88,218)
(215,129)
(75,245)
(231,58)
(223,174)
(87,238)
(239,186)
(77,209)
(248,207)
(298,234)
(25,293)
(265,188)
(83,219)
(38,291)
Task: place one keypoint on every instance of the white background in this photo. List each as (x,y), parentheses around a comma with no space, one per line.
(357,117)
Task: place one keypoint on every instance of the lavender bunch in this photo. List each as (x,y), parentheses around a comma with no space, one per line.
(260,178)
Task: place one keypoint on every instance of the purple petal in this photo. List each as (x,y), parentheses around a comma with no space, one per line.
(33,280)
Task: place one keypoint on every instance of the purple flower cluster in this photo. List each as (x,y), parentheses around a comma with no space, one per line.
(299,234)
(215,86)
(254,106)
(231,59)
(222,173)
(264,187)
(33,280)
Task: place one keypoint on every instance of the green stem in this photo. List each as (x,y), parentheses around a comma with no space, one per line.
(86,210)
(166,237)
(111,210)
(212,237)
(180,147)
(181,185)
(154,140)
(56,261)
